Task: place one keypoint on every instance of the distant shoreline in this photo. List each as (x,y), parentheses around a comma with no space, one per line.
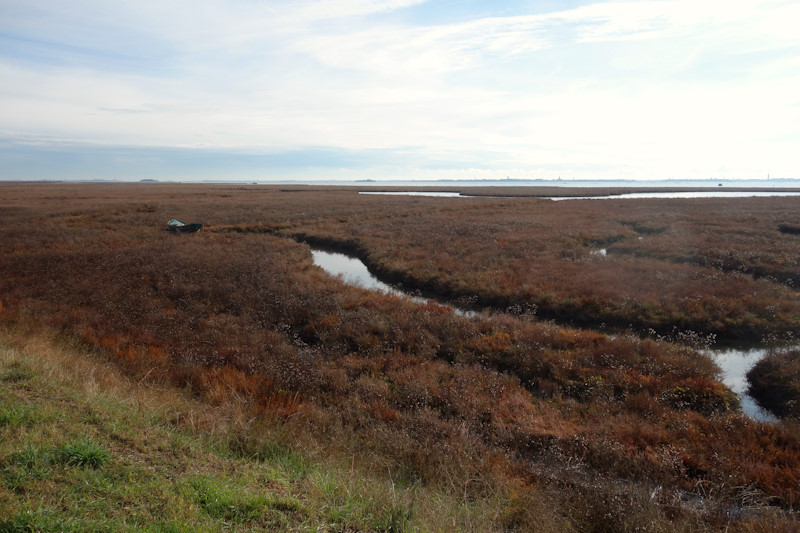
(676,185)
(538,189)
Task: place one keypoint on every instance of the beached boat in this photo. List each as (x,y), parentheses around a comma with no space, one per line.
(180,227)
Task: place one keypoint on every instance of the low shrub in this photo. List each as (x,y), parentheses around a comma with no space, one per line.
(774,382)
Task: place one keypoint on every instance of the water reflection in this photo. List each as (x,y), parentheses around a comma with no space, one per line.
(354,272)
(684,194)
(438,194)
(351,270)
(735,363)
(630,195)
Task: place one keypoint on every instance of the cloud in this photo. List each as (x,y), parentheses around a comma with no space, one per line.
(317,10)
(662,86)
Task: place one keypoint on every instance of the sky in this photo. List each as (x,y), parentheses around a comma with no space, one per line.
(399,89)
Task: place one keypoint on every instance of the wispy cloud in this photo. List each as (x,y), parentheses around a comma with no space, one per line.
(646,89)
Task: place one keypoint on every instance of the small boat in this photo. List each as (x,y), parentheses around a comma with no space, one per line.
(179,227)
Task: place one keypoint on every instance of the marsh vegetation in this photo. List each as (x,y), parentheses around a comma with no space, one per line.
(582,404)
(774,382)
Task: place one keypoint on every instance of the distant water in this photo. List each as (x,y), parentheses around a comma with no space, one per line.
(721,183)
(711,193)
(714,193)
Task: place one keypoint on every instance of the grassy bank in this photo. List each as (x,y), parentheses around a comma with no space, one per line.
(85,448)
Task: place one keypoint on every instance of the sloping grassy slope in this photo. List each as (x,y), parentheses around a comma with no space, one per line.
(84,448)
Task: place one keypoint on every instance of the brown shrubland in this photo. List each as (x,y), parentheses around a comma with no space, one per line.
(719,266)
(774,382)
(578,429)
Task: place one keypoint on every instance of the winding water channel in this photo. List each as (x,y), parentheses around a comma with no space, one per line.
(354,272)
(734,362)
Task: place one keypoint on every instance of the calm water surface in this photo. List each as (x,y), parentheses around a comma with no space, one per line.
(631,195)
(438,194)
(735,363)
(533,183)
(351,271)
(688,194)
(354,272)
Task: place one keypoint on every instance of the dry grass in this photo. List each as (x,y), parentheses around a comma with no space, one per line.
(84,448)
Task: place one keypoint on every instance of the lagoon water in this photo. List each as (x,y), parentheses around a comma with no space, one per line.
(713,188)
(633,195)
(684,194)
(734,362)
(763,184)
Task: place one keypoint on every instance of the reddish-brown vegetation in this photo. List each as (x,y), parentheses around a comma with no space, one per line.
(717,266)
(621,428)
(774,382)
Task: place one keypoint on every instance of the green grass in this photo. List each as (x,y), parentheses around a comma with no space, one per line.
(18,415)
(82,453)
(16,371)
(83,449)
(233,501)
